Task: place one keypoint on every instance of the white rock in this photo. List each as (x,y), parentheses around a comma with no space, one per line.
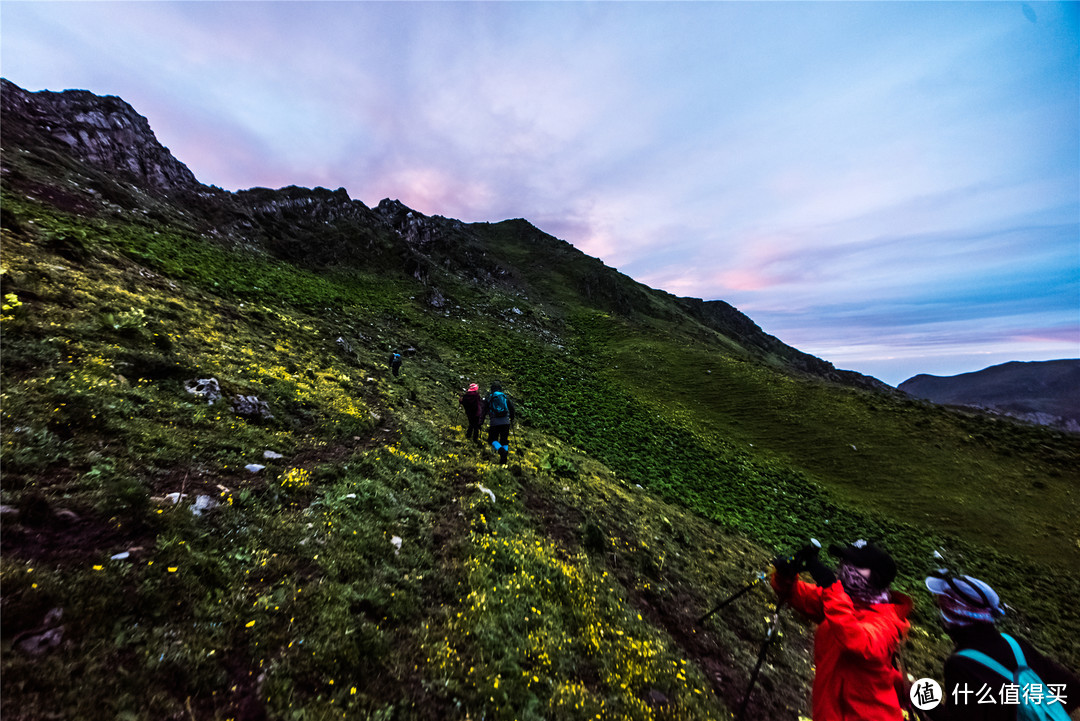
(487,491)
(203,503)
(396,543)
(120,556)
(254,467)
(272,455)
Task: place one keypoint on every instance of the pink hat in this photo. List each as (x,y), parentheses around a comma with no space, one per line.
(474,387)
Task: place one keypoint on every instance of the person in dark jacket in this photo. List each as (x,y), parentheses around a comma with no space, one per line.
(500,409)
(861,624)
(969,609)
(395,362)
(474,411)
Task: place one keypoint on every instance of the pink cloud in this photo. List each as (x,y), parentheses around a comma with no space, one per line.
(1068,336)
(430,191)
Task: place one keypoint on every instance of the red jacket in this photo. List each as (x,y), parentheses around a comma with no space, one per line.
(473,405)
(855,679)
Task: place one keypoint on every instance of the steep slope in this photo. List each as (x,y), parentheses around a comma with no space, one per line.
(373,563)
(1046,392)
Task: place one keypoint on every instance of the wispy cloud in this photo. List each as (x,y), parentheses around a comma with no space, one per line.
(830,168)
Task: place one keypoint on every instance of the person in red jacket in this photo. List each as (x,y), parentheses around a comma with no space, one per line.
(474,411)
(861,624)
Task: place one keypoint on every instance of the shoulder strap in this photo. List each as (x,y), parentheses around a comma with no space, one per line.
(985,660)
(1021,662)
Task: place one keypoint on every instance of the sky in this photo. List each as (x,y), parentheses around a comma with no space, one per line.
(891,186)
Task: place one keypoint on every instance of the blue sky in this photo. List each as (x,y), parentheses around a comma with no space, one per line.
(892,186)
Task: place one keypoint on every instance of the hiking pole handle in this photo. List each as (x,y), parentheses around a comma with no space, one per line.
(729,599)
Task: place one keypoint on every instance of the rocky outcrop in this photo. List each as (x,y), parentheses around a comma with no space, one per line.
(316,204)
(103,131)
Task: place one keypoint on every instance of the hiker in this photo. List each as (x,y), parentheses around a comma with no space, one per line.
(395,362)
(501,410)
(980,672)
(861,624)
(474,411)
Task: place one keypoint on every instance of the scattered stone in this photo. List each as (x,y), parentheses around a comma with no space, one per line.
(203,503)
(271,455)
(67,516)
(175,497)
(207,389)
(657,698)
(47,636)
(8,510)
(396,543)
(344,344)
(254,467)
(251,407)
(488,491)
(122,556)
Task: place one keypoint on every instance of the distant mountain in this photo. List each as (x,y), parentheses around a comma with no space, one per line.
(1043,392)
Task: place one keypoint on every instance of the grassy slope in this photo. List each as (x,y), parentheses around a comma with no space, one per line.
(572,595)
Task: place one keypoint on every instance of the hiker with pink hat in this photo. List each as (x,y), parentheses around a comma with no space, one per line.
(474,411)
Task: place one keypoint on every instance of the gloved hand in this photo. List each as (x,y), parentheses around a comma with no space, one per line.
(806,554)
(790,567)
(821,573)
(786,567)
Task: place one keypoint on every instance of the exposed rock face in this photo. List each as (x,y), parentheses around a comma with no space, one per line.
(415,228)
(319,204)
(103,131)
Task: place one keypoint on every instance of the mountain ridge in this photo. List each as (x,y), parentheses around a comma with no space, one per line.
(108,133)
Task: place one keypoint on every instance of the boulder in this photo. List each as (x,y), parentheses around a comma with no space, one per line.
(207,389)
(251,407)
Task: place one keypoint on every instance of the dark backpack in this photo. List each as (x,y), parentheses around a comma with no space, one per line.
(1034,704)
(497,405)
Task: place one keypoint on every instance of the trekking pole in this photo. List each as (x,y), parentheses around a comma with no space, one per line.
(758,579)
(760,659)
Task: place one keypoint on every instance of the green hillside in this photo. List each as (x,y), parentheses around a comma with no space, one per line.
(378,565)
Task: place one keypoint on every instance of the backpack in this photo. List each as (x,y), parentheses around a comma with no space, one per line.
(497,404)
(1028,708)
